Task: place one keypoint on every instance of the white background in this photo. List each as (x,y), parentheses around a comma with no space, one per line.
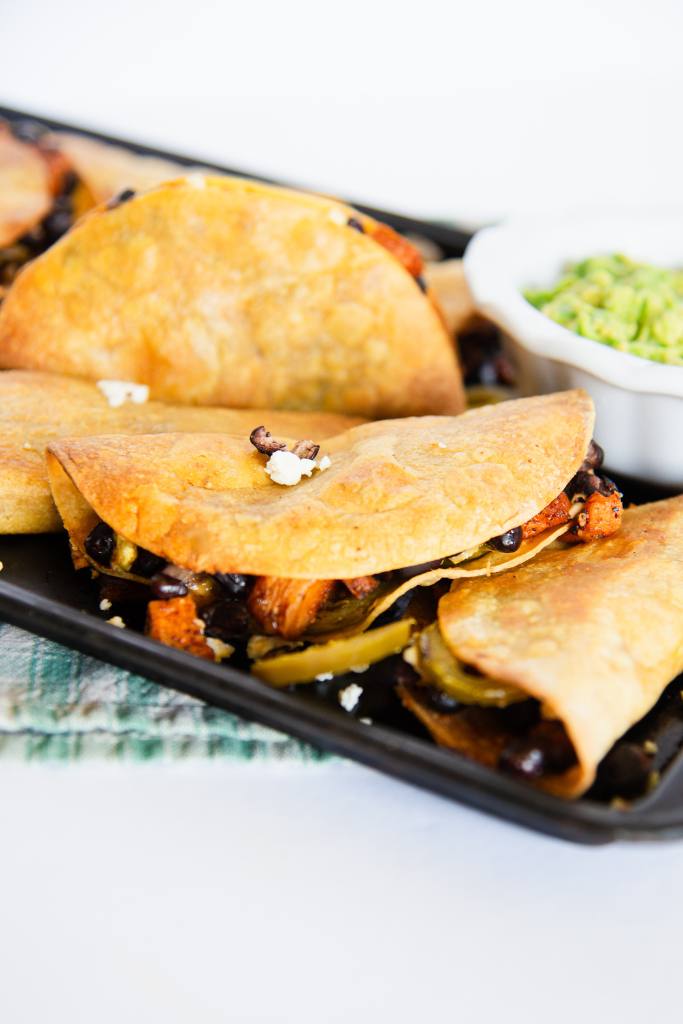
(217,892)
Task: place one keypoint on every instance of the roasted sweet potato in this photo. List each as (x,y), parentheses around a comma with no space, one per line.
(400,247)
(601,516)
(285,606)
(175,623)
(554,514)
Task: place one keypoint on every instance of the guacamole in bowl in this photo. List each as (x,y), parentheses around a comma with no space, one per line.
(634,307)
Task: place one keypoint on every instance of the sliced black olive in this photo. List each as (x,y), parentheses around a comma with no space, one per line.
(234,583)
(100,543)
(507,542)
(165,587)
(354,223)
(545,750)
(146,564)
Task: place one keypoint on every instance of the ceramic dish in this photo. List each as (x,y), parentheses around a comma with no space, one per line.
(639,403)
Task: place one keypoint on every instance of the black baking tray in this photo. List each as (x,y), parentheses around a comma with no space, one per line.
(40,591)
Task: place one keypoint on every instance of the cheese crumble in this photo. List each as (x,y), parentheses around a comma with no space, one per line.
(118,392)
(287,469)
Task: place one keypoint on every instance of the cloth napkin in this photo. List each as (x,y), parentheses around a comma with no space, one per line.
(56,703)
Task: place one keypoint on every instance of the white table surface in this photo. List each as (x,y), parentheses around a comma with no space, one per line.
(221,892)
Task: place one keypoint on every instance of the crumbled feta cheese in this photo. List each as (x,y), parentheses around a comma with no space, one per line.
(324,677)
(220,650)
(349,696)
(105,604)
(324,463)
(117,621)
(117,392)
(441,444)
(286,468)
(195,179)
(338,216)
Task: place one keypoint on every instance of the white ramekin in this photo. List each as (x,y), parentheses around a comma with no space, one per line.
(639,403)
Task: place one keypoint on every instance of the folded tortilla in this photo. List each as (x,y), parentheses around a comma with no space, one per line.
(107,169)
(228,292)
(36,408)
(594,632)
(397,493)
(25,195)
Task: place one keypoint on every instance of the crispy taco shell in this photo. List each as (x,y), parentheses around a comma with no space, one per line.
(397,492)
(107,169)
(25,196)
(228,292)
(36,408)
(594,632)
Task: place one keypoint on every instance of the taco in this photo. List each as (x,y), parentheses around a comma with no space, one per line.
(380,510)
(40,196)
(540,670)
(107,169)
(227,292)
(36,408)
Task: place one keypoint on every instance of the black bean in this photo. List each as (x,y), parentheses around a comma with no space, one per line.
(354,223)
(234,583)
(122,197)
(545,750)
(99,544)
(587,482)
(417,570)
(164,587)
(507,542)
(595,456)
(146,564)
(421,283)
(27,131)
(227,620)
(396,612)
(56,224)
(625,771)
(438,700)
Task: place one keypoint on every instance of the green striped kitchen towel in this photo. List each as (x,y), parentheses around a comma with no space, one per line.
(57,703)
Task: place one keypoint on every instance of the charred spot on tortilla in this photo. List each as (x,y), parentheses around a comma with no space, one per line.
(421,283)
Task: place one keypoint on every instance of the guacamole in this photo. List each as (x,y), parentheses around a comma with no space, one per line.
(635,307)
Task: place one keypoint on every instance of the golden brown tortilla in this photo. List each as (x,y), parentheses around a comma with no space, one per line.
(397,493)
(36,408)
(107,169)
(228,292)
(25,196)
(594,632)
